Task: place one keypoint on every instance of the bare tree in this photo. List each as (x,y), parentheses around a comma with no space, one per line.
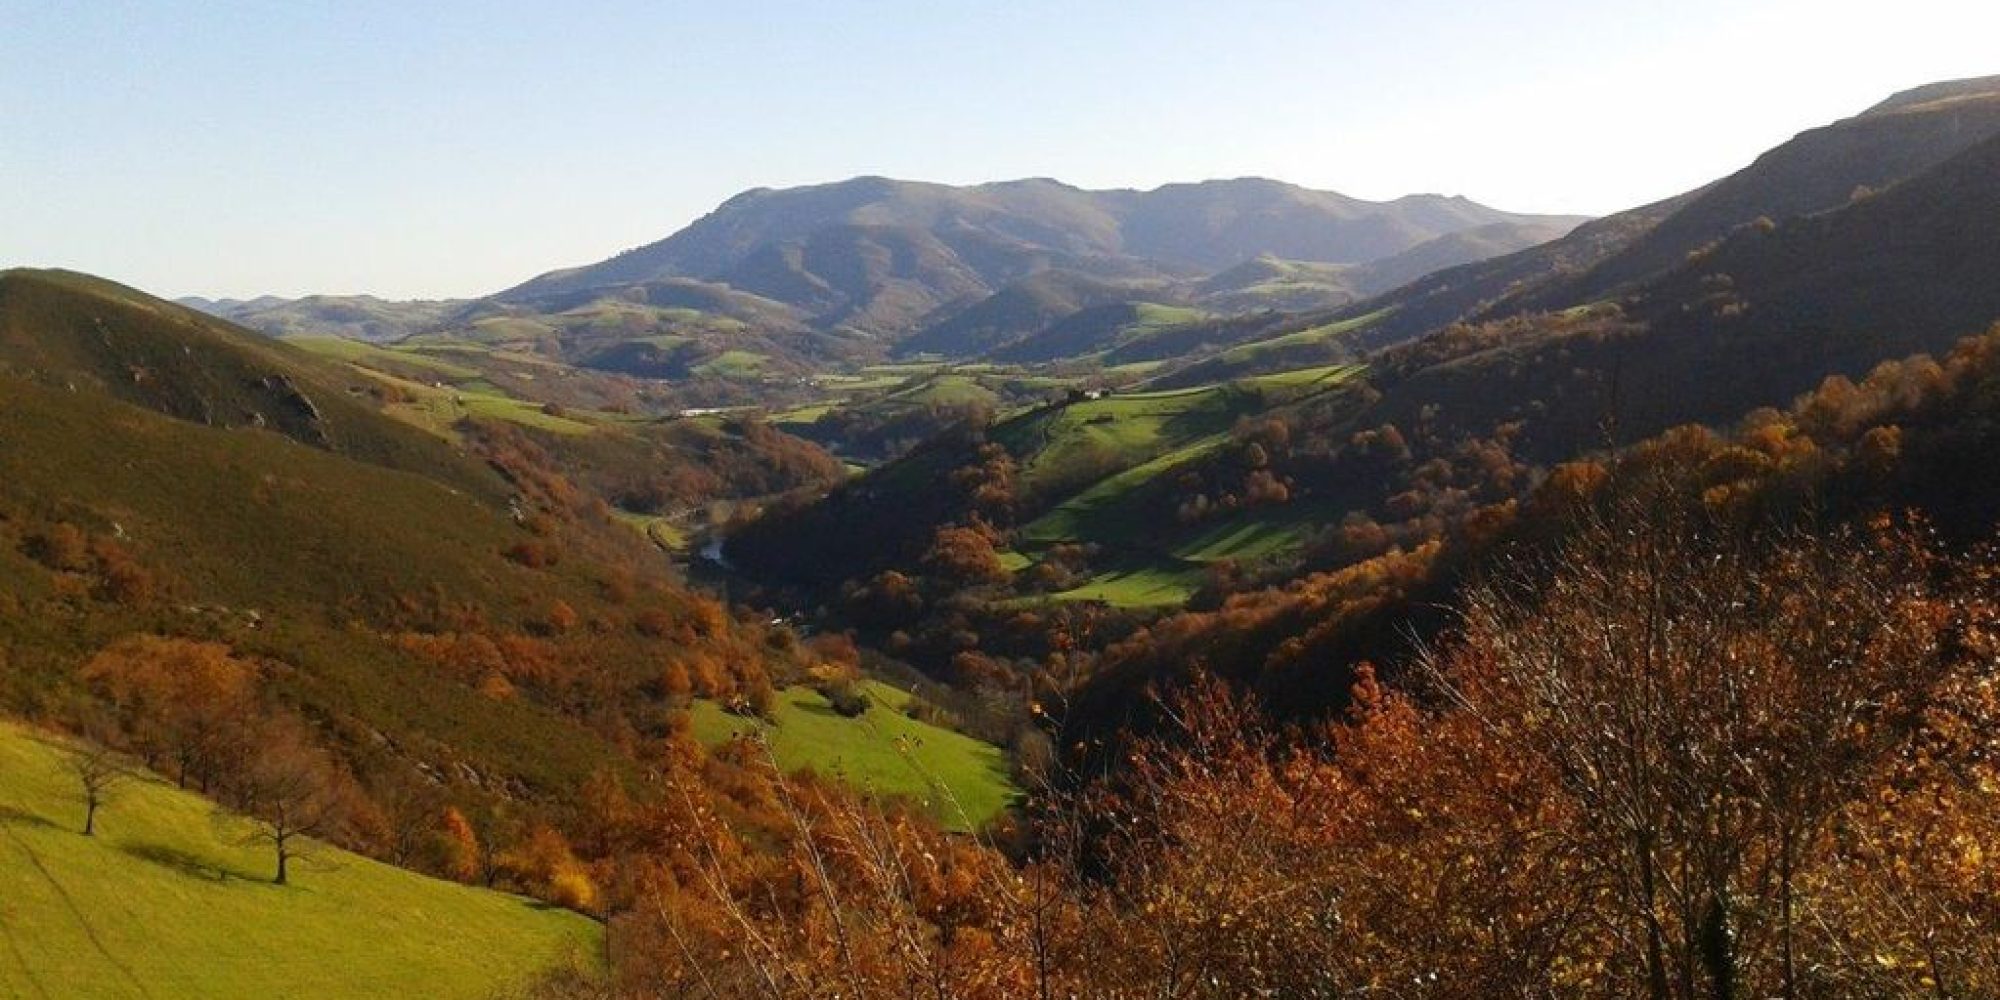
(291,792)
(411,806)
(1710,703)
(98,771)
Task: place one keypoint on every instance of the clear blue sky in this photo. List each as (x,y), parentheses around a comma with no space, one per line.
(438,148)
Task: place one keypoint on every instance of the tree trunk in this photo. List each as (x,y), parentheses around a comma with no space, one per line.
(90,818)
(283,857)
(1656,962)
(1718,951)
(1785,848)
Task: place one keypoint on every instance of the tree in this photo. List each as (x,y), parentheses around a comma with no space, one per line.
(409,806)
(1711,703)
(462,852)
(188,700)
(544,864)
(98,771)
(291,791)
(964,555)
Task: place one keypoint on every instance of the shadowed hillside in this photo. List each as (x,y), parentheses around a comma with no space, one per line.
(1818,170)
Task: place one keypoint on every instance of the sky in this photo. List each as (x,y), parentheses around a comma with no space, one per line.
(448,149)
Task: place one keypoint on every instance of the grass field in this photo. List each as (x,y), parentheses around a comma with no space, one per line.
(732,364)
(1146,586)
(1070,447)
(963,782)
(942,390)
(1132,439)
(661,531)
(1099,456)
(373,356)
(440,392)
(507,329)
(161,904)
(1253,537)
(436,410)
(1250,353)
(1090,515)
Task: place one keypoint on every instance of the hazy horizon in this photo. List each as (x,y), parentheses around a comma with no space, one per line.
(237,150)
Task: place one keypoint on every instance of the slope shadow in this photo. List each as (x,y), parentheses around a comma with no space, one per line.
(9,814)
(187,863)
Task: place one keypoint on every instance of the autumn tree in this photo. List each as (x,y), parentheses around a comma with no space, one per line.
(1711,704)
(462,849)
(187,700)
(964,555)
(543,863)
(291,791)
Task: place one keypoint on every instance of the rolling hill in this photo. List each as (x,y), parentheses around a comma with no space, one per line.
(360,317)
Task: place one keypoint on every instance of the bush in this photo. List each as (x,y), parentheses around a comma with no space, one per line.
(847,700)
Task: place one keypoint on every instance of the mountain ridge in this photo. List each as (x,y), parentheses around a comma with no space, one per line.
(924,246)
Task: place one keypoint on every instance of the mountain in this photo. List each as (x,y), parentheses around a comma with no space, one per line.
(775,284)
(885,256)
(1819,170)
(360,317)
(235,487)
(1769,309)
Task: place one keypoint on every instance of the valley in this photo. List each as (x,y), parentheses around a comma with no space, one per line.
(1017,589)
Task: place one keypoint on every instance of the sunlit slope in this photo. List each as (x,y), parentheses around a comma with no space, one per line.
(963,782)
(162,902)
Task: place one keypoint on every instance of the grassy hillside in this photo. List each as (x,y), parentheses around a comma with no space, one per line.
(1290,346)
(1151,435)
(74,331)
(310,555)
(1066,449)
(164,903)
(958,779)
(1084,470)
(1100,329)
(243,523)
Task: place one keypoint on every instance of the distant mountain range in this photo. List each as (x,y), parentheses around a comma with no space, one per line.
(865,266)
(885,256)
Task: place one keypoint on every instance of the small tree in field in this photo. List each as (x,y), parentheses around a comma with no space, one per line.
(292,793)
(98,773)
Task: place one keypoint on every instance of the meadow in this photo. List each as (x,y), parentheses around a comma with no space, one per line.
(164,901)
(961,781)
